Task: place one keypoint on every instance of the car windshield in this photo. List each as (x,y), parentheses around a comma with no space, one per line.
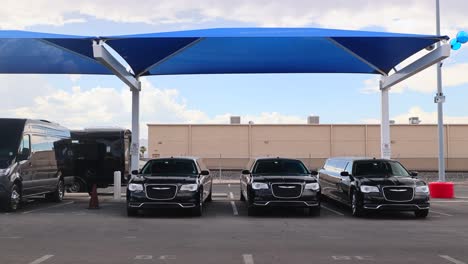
(170,167)
(280,167)
(379,168)
(10,136)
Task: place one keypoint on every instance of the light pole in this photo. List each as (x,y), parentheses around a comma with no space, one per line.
(440,99)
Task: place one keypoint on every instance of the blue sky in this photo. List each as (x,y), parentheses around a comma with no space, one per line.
(83,101)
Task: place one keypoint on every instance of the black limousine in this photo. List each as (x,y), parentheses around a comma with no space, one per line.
(279,182)
(170,183)
(368,184)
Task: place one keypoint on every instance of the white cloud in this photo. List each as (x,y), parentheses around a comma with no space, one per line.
(108,106)
(425,117)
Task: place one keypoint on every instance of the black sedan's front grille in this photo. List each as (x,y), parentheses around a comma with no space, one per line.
(161,191)
(398,194)
(287,190)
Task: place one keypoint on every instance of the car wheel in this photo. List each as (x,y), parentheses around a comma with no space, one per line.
(77,186)
(58,194)
(13,203)
(251,211)
(315,211)
(421,213)
(131,212)
(210,196)
(198,209)
(356,207)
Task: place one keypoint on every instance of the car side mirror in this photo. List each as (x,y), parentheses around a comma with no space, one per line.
(414,173)
(24,155)
(245,172)
(313,173)
(344,174)
(205,173)
(135,172)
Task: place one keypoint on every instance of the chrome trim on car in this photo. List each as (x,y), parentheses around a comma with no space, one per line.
(156,203)
(175,193)
(268,202)
(396,187)
(280,197)
(396,205)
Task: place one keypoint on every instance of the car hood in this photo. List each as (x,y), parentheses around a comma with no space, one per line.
(390,181)
(283,179)
(148,179)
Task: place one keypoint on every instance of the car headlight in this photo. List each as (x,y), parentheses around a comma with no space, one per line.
(422,189)
(369,189)
(189,187)
(134,187)
(259,185)
(4,172)
(312,186)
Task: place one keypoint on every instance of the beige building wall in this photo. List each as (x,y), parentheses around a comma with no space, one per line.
(230,146)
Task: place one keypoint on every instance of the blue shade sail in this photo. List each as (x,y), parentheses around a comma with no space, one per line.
(215,51)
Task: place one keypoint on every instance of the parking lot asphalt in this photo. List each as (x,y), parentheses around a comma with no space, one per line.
(68,232)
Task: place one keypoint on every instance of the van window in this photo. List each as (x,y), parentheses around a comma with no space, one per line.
(41,143)
(25,145)
(10,137)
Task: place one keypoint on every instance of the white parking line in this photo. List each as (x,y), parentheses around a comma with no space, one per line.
(331,210)
(444,214)
(248,259)
(231,195)
(456,261)
(229,185)
(41,259)
(234,208)
(45,208)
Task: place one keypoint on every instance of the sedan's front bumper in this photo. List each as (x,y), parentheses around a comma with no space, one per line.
(181,200)
(265,198)
(378,202)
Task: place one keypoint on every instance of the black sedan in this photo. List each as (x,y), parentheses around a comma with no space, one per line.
(279,182)
(170,183)
(374,185)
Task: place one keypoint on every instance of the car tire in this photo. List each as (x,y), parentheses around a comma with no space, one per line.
(356,207)
(198,209)
(76,187)
(251,211)
(58,194)
(13,203)
(132,212)
(210,196)
(421,213)
(315,211)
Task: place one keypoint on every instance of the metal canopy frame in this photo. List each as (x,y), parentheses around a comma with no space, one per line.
(106,58)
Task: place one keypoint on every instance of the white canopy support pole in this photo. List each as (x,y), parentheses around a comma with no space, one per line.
(386,147)
(439,100)
(135,147)
(108,60)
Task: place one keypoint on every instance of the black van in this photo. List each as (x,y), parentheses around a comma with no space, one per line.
(30,162)
(368,184)
(96,154)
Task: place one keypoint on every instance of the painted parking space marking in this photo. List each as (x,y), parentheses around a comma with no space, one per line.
(440,213)
(41,259)
(234,208)
(352,258)
(331,210)
(143,257)
(11,237)
(231,195)
(452,260)
(248,258)
(48,207)
(220,195)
